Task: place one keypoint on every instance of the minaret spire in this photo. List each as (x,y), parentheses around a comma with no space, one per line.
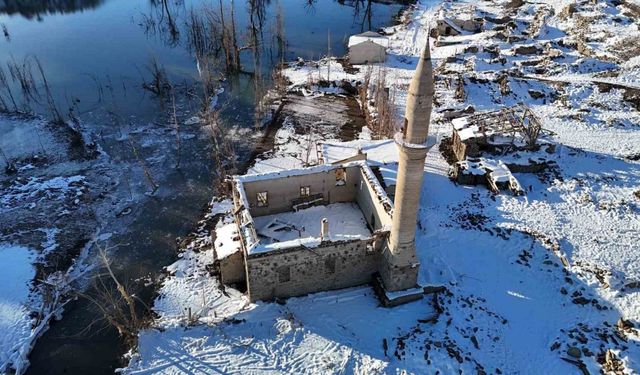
(400,265)
(420,100)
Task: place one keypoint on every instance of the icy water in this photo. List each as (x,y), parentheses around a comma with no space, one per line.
(95,54)
(99,50)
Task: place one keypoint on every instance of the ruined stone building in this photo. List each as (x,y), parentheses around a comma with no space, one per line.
(498,132)
(456,19)
(494,131)
(333,226)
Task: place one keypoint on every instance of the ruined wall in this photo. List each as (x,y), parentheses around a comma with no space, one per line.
(281,191)
(444,28)
(371,207)
(294,272)
(472,25)
(458,147)
(232,268)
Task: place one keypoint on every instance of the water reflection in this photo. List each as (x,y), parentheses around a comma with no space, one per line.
(38,8)
(161,22)
(197,42)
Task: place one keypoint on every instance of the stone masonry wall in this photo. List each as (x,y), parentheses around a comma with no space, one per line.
(232,268)
(282,191)
(294,272)
(372,210)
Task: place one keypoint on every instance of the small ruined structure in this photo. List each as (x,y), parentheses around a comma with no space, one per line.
(508,128)
(332,226)
(368,47)
(493,173)
(457,19)
(495,132)
(446,27)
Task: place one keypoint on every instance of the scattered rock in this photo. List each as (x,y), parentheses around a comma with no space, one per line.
(529,49)
(574,352)
(513,4)
(610,363)
(625,325)
(578,364)
(499,21)
(453,353)
(535,94)
(474,340)
(126,211)
(471,49)
(581,301)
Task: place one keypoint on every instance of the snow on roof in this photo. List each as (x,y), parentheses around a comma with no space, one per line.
(466,130)
(377,188)
(369,36)
(497,169)
(452,24)
(382,154)
(227,240)
(500,126)
(472,167)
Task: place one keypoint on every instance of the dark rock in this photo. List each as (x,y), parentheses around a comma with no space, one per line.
(574,352)
(536,94)
(527,50)
(624,324)
(581,301)
(474,340)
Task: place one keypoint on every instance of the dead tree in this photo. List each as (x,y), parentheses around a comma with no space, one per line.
(117,304)
(255,35)
(280,34)
(176,126)
(4,84)
(229,40)
(53,109)
(159,83)
(383,100)
(145,167)
(222,150)
(22,74)
(363,93)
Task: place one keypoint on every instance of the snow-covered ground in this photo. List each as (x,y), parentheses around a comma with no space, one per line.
(16,274)
(61,198)
(545,283)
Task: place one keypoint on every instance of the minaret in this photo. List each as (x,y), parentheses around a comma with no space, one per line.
(400,266)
